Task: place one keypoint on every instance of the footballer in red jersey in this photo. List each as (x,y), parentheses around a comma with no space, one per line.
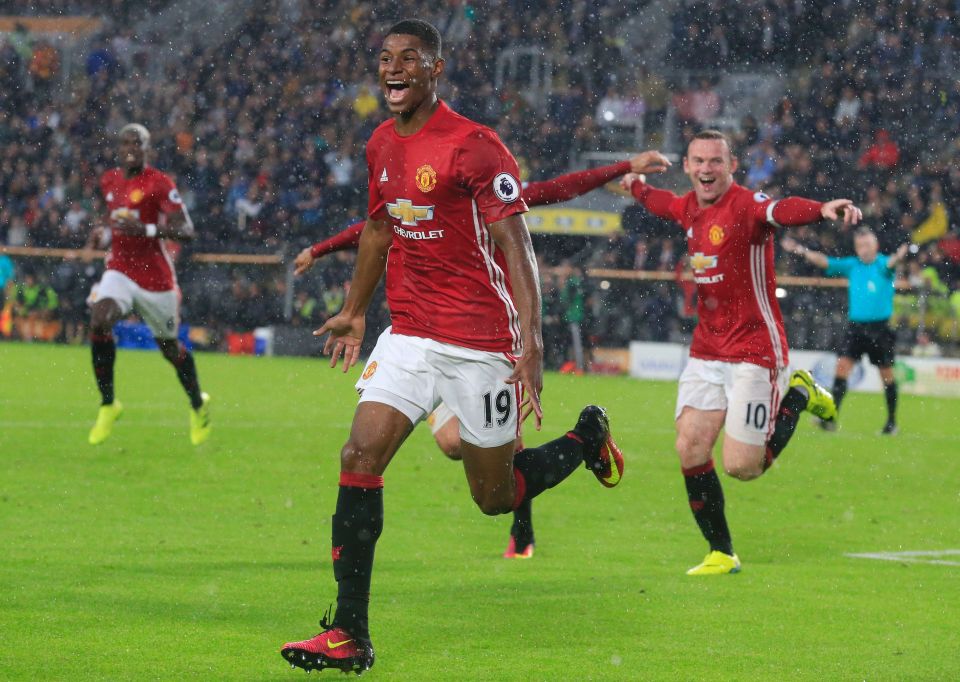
(736,378)
(443,422)
(444,222)
(144,209)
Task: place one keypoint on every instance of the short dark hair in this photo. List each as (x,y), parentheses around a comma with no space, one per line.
(425,31)
(864,231)
(714,134)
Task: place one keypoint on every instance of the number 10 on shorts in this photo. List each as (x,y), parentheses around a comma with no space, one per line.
(757,416)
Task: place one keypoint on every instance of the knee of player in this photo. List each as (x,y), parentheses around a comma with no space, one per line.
(743,471)
(494,502)
(689,446)
(354,458)
(449,446)
(100,327)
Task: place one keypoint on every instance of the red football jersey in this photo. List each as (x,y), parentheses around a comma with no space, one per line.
(439,189)
(145,260)
(731,254)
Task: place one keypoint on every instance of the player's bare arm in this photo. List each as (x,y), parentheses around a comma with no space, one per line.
(791,245)
(513,238)
(347,327)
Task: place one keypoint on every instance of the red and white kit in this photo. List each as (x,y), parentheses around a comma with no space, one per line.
(439,189)
(146,195)
(455,327)
(140,274)
(730,247)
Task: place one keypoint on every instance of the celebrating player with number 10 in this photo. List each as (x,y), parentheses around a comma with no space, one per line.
(736,375)
(445,223)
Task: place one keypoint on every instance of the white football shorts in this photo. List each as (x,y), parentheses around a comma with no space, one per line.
(160,310)
(414,374)
(750,394)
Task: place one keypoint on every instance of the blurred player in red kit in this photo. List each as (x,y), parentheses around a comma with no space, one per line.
(144,210)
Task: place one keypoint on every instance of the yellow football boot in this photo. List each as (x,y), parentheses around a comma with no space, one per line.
(106,416)
(200,421)
(821,400)
(717,563)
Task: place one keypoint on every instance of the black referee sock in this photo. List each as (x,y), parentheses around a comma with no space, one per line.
(522,528)
(545,466)
(104,351)
(788,415)
(357,524)
(839,390)
(890,392)
(706,502)
(187,374)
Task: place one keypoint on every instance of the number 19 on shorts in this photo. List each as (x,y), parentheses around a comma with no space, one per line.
(503,405)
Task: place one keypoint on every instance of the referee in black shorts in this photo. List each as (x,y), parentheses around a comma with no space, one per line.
(870,293)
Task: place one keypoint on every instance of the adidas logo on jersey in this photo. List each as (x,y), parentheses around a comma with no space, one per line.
(383,176)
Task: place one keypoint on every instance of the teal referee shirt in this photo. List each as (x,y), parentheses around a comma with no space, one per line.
(870,293)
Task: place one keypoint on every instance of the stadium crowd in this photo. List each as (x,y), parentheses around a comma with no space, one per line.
(264,134)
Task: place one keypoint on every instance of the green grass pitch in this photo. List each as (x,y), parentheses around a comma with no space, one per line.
(146,558)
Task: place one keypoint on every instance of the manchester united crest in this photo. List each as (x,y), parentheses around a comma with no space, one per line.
(715,235)
(136,196)
(371,368)
(426,178)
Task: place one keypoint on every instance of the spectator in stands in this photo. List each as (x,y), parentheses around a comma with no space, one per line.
(571,299)
(7,273)
(883,153)
(848,108)
(35,306)
(44,65)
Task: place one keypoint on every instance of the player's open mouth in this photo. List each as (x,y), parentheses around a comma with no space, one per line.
(707,182)
(396,91)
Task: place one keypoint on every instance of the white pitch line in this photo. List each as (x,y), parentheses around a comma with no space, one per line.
(4,424)
(912,557)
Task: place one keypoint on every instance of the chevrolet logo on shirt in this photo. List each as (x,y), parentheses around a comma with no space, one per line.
(408,214)
(700,263)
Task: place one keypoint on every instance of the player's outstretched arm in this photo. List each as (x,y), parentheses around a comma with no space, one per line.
(814,257)
(346,328)
(657,201)
(571,185)
(795,211)
(513,238)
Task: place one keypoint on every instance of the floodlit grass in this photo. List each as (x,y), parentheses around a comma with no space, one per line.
(147,558)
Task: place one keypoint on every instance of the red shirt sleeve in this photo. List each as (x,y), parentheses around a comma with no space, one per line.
(659,202)
(566,187)
(376,204)
(343,240)
(489,172)
(786,212)
(169,197)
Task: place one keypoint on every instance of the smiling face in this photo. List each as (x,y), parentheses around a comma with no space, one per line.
(710,167)
(132,152)
(408,74)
